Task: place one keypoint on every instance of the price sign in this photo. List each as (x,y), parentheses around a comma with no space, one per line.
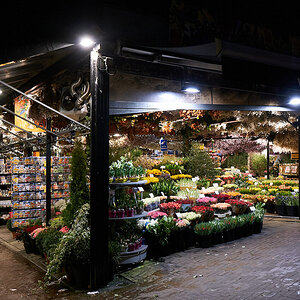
(151,175)
(271,183)
(201,196)
(140,189)
(162,193)
(151,195)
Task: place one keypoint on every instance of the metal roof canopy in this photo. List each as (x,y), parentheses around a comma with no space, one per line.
(165,64)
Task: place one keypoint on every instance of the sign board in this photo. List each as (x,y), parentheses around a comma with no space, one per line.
(289,169)
(22,106)
(295,156)
(163,144)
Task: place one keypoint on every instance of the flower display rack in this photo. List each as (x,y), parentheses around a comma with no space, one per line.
(29,186)
(5,189)
(139,254)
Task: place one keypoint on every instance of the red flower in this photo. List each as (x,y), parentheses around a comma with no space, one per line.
(65,229)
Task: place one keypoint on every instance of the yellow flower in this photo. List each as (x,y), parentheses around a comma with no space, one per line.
(179,176)
(155,172)
(151,179)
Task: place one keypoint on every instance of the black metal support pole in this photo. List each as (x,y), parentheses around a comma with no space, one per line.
(298,129)
(99,192)
(48,172)
(268,159)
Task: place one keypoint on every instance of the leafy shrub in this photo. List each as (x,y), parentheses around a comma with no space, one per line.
(47,240)
(199,163)
(258,164)
(168,187)
(79,192)
(74,247)
(239,160)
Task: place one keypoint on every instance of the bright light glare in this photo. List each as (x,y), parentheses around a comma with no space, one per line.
(295,101)
(191,90)
(1,92)
(169,100)
(86,42)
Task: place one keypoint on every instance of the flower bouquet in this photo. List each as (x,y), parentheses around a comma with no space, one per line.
(207,213)
(156,214)
(221,210)
(238,206)
(203,232)
(170,208)
(206,201)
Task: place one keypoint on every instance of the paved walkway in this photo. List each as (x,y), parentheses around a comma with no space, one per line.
(260,266)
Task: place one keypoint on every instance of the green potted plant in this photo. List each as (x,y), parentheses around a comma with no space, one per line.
(203,233)
(280,199)
(158,237)
(229,225)
(14,230)
(47,241)
(258,217)
(292,203)
(79,191)
(73,252)
(217,232)
(165,186)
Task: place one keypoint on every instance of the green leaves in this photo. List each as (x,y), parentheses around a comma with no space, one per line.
(168,187)
(79,192)
(74,246)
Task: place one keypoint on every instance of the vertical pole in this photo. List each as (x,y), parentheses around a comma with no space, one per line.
(48,172)
(298,129)
(99,192)
(268,159)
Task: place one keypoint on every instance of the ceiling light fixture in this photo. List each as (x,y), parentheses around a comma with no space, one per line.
(295,101)
(86,42)
(191,90)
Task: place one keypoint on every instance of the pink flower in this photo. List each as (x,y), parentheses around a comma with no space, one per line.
(156,214)
(65,229)
(58,213)
(35,232)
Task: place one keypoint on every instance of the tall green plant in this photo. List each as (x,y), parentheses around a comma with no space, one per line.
(199,163)
(79,192)
(258,164)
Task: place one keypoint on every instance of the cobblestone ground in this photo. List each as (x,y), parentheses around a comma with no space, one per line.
(18,278)
(265,265)
(260,266)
